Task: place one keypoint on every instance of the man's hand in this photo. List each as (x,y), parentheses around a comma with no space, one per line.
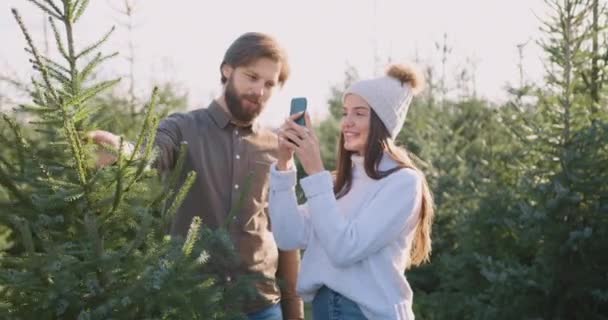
(105,140)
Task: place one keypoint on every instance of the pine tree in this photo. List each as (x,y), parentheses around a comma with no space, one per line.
(525,187)
(88,242)
(567,194)
(532,246)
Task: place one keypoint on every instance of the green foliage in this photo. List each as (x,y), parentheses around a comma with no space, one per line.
(87,242)
(523,235)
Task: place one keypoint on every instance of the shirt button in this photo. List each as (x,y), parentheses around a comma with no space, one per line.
(236,132)
(238,156)
(236,186)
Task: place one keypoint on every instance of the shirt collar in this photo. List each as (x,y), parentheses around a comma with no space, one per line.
(222,118)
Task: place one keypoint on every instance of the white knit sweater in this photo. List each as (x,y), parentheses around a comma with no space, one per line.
(357,245)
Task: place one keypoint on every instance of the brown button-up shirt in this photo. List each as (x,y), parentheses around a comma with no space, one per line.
(223,156)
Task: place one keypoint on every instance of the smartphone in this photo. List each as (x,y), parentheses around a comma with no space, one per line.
(298,105)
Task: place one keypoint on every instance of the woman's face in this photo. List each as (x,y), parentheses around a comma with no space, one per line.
(355,123)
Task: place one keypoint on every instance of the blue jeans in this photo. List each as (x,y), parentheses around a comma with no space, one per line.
(330,305)
(271,313)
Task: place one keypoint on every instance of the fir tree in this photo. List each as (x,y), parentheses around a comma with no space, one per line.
(530,246)
(88,242)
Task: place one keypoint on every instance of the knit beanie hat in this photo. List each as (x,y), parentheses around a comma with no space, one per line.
(390,95)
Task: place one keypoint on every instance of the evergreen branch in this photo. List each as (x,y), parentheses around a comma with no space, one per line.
(6,206)
(54,73)
(91,92)
(527,123)
(179,198)
(46,131)
(239,205)
(7,182)
(68,9)
(80,154)
(94,63)
(75,147)
(45,75)
(167,192)
(60,144)
(4,139)
(67,22)
(43,97)
(47,122)
(146,124)
(96,45)
(23,148)
(60,183)
(47,9)
(90,222)
(60,45)
(34,108)
(74,87)
(45,239)
(84,112)
(119,173)
(48,61)
(140,236)
(147,153)
(150,138)
(7,164)
(54,6)
(192,237)
(26,233)
(83,6)
(20,141)
(37,95)
(68,125)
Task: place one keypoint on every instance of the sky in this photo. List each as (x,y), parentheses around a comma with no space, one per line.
(183,41)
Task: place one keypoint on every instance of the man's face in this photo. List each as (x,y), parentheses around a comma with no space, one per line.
(249,87)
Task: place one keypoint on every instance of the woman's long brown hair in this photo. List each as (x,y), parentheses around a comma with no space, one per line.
(378,143)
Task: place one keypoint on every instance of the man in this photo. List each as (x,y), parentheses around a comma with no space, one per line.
(225,145)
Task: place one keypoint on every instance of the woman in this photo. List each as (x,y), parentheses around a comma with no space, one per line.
(362,229)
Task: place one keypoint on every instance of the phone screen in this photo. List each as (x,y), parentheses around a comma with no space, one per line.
(298,105)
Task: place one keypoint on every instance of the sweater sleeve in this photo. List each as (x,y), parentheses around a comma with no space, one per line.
(383,218)
(290,223)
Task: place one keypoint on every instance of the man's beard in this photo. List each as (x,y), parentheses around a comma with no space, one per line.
(234,101)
